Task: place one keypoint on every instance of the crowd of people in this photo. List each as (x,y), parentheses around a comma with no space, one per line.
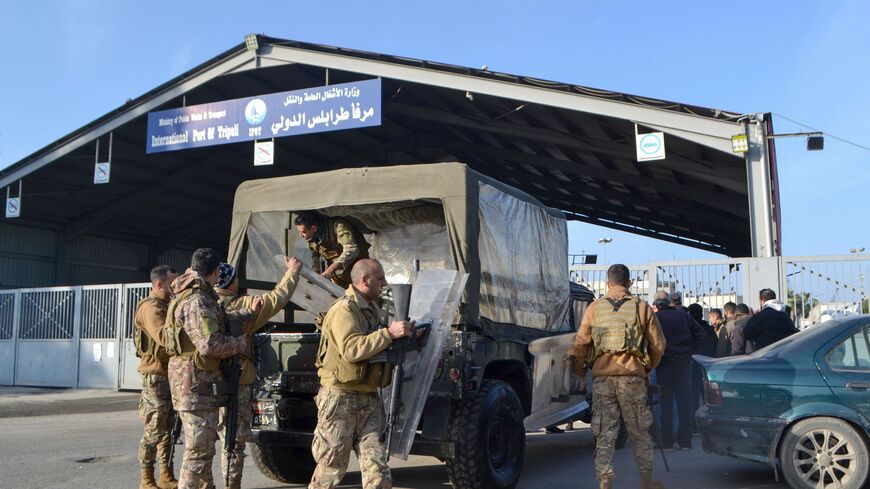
(628,345)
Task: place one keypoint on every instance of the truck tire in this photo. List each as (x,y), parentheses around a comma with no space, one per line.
(290,465)
(490,441)
(824,448)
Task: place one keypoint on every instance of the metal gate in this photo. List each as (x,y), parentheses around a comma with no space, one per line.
(48,334)
(132,293)
(8,311)
(99,343)
(822,288)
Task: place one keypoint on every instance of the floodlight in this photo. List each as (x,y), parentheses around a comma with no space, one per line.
(815,143)
(251,42)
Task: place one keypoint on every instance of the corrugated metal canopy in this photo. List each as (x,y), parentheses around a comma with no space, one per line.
(571,147)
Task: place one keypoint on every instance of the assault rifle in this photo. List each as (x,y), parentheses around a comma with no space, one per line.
(396,356)
(231,374)
(174,436)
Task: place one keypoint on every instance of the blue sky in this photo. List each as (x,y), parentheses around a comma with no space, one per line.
(68,63)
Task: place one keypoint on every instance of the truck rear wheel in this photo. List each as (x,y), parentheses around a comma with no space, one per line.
(291,465)
(490,439)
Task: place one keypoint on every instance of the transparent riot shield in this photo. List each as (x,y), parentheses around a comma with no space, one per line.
(314,293)
(434,298)
(266,262)
(554,392)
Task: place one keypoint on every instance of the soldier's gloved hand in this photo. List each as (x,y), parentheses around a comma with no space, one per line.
(293,264)
(400,329)
(257,305)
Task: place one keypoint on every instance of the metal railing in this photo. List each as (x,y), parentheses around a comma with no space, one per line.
(815,288)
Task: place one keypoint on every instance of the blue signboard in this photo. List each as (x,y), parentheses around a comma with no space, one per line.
(329,108)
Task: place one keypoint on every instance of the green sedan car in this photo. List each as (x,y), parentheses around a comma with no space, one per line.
(801,405)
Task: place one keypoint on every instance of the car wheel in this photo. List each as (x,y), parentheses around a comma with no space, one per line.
(822,453)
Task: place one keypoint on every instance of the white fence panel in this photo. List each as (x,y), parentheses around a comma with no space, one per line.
(822,288)
(129,378)
(48,337)
(99,347)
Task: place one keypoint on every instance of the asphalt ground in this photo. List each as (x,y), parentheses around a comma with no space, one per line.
(55,438)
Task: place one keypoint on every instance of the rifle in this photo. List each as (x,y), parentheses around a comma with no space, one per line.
(396,356)
(174,436)
(653,390)
(232,372)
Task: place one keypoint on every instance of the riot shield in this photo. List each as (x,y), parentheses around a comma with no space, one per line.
(555,397)
(434,298)
(314,293)
(266,260)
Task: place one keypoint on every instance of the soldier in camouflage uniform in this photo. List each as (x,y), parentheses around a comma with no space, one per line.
(334,241)
(155,405)
(196,343)
(273,302)
(350,413)
(621,340)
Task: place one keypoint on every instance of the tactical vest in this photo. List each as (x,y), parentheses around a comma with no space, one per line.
(328,246)
(146,347)
(177,341)
(617,329)
(377,374)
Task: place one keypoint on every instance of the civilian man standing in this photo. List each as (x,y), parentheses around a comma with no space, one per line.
(620,340)
(674,374)
(771,324)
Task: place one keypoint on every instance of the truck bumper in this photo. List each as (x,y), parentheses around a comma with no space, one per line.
(433,448)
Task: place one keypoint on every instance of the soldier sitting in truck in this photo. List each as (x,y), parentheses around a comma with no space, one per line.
(335,241)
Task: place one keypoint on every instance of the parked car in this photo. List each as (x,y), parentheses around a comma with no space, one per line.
(801,405)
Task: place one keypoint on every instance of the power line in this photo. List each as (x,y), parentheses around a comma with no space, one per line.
(823,132)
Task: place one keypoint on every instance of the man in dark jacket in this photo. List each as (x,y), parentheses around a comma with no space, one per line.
(706,347)
(674,373)
(731,340)
(771,324)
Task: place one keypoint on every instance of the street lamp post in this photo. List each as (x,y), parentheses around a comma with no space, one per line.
(603,242)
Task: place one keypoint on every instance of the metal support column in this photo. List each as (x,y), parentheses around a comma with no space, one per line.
(758,175)
(77,333)
(16,326)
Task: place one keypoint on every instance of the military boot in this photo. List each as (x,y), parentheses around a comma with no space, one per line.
(605,484)
(646,482)
(167,479)
(146,481)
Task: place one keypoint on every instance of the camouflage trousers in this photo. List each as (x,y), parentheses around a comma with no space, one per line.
(612,396)
(243,435)
(200,436)
(349,421)
(155,412)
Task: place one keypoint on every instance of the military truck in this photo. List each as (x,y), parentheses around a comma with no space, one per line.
(483,383)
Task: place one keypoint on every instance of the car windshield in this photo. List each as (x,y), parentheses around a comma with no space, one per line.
(817,334)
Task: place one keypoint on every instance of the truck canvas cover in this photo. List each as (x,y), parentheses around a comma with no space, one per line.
(445,215)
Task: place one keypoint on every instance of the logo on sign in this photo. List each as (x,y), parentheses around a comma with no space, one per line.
(102,172)
(650,144)
(13,207)
(255,112)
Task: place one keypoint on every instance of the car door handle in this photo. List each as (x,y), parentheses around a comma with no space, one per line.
(858,386)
